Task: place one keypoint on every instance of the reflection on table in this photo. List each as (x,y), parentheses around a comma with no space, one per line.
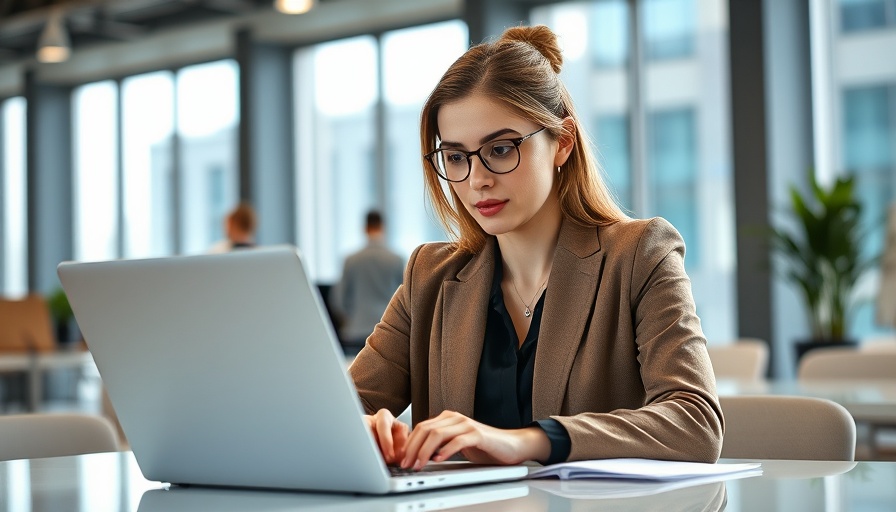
(112,482)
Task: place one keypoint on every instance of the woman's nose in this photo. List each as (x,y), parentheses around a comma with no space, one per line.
(480,176)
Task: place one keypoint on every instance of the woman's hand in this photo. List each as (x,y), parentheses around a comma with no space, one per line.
(391,435)
(441,437)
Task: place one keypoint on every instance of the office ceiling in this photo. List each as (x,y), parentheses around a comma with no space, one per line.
(94,22)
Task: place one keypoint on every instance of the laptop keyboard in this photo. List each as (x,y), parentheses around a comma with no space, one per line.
(399,471)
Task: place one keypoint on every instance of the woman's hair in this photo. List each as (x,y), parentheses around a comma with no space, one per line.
(520,69)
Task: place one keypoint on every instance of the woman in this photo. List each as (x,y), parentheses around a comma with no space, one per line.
(554,328)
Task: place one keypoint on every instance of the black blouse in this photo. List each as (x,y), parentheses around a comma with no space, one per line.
(504,382)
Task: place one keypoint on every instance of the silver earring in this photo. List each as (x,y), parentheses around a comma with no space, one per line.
(558,169)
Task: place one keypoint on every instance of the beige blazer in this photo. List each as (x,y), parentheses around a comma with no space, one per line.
(621,360)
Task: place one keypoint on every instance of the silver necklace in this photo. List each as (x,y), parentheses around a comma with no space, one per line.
(528,312)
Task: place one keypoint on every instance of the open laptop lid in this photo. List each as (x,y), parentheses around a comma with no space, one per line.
(224,370)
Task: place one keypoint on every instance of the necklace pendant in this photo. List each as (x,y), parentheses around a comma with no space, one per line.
(527,312)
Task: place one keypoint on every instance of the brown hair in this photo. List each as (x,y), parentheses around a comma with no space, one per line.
(520,69)
(243,218)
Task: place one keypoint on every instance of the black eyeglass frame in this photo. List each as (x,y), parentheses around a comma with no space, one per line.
(469,154)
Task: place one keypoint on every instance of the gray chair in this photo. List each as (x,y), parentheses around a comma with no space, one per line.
(847,363)
(787,427)
(32,436)
(745,359)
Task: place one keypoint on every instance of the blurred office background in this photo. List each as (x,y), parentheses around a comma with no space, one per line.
(167,112)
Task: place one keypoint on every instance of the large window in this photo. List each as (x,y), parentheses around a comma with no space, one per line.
(669,29)
(358,104)
(860,15)
(14,214)
(177,137)
(408,79)
(148,164)
(207,124)
(336,98)
(858,95)
(96,171)
(661,128)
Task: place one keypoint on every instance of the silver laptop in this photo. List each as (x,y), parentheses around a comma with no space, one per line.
(224,370)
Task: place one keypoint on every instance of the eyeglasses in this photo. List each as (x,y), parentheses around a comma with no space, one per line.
(498,156)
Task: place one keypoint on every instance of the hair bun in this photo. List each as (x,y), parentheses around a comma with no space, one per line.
(542,39)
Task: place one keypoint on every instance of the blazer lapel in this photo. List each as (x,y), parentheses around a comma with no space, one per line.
(464,314)
(572,289)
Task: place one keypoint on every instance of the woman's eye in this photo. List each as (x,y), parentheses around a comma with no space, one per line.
(501,149)
(455,158)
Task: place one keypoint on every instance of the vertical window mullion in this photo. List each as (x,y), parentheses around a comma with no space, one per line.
(176,189)
(380,130)
(640,194)
(119,171)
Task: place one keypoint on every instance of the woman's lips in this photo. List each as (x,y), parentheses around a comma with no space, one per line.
(490,207)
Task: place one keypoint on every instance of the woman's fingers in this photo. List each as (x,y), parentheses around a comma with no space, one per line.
(399,441)
(428,436)
(390,434)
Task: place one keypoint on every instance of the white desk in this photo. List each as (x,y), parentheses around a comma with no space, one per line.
(38,363)
(112,482)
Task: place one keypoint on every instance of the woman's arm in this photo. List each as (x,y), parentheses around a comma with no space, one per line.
(681,418)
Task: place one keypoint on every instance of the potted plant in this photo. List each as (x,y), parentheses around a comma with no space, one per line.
(61,312)
(824,259)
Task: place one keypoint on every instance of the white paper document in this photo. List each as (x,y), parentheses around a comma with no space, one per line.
(641,469)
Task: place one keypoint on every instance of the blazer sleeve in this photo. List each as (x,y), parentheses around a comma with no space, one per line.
(681,418)
(381,370)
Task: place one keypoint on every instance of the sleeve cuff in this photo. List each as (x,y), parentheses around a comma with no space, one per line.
(559,439)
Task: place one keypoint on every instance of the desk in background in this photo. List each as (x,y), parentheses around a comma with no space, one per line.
(37,364)
(112,482)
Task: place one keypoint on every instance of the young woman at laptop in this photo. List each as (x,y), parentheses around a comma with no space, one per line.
(554,327)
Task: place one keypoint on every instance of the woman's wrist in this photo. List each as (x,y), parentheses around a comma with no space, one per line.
(534,444)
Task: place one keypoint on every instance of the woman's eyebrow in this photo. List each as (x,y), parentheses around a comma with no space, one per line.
(491,136)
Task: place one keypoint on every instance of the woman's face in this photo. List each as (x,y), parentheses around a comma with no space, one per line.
(502,203)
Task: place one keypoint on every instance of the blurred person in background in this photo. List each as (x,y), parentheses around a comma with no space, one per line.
(370,277)
(239,228)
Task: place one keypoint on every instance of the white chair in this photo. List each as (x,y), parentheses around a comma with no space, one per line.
(787,427)
(32,436)
(847,363)
(745,359)
(877,345)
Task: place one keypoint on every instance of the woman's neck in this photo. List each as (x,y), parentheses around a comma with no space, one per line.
(527,253)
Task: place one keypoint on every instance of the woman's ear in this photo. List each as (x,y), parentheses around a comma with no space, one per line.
(567,142)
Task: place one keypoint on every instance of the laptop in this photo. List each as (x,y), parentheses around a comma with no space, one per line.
(224,370)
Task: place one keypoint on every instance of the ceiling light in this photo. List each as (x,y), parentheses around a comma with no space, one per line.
(294,6)
(54,45)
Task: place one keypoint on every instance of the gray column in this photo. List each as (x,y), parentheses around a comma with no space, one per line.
(790,153)
(49,181)
(751,195)
(267,174)
(489,18)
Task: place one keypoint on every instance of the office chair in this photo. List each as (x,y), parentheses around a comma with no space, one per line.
(787,427)
(32,436)
(745,359)
(847,363)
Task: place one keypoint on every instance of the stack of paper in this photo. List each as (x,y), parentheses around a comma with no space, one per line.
(639,469)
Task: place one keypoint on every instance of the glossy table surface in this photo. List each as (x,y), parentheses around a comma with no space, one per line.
(113,482)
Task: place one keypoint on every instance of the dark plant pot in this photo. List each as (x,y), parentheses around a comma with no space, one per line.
(803,347)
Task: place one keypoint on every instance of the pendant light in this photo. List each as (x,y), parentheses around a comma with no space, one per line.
(54,44)
(294,6)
